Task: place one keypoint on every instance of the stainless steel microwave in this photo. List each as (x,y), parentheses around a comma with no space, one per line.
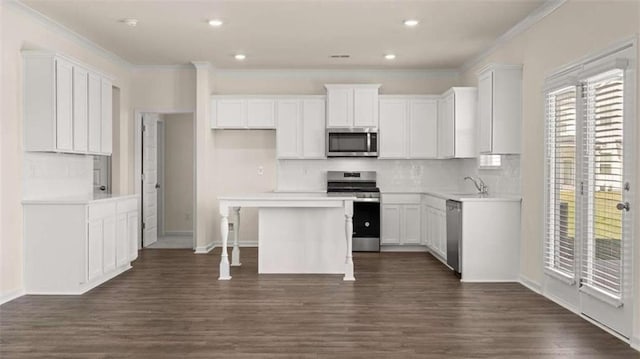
(352,142)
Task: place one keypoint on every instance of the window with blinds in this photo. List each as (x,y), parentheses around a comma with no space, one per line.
(561,181)
(601,257)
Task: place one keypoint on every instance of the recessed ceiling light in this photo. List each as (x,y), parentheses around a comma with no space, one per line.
(130,22)
(411,23)
(240,57)
(216,23)
(389,56)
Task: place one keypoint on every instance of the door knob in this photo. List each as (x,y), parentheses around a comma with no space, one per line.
(102,188)
(620,206)
(157,185)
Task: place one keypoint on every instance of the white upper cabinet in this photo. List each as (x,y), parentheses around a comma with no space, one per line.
(408,127)
(393,128)
(64,105)
(423,128)
(243,112)
(261,113)
(352,105)
(66,109)
(313,128)
(300,131)
(456,123)
(80,109)
(288,139)
(106,124)
(500,109)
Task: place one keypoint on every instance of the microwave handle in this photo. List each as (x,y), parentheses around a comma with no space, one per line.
(368,142)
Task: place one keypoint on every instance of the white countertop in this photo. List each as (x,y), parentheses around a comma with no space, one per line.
(285,196)
(82,199)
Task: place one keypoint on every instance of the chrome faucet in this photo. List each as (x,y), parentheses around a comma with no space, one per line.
(480,185)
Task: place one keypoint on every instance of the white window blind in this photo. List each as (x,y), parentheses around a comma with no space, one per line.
(601,257)
(560,241)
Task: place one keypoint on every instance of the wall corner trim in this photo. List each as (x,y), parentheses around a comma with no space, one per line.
(205,249)
(530,284)
(201,64)
(11,295)
(533,18)
(635,342)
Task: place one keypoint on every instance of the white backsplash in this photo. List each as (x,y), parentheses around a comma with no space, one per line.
(393,175)
(52,175)
(506,179)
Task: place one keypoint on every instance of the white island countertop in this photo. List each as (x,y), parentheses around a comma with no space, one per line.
(279,237)
(82,199)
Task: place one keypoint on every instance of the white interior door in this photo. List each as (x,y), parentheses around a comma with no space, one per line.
(605,286)
(149,179)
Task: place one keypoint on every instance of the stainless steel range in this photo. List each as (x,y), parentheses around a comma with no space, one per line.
(366,207)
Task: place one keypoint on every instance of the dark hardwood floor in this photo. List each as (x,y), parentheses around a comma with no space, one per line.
(403,305)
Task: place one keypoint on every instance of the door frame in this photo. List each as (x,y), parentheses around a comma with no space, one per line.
(161,129)
(137,151)
(550,286)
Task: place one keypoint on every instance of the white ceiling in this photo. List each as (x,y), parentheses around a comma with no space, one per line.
(292,33)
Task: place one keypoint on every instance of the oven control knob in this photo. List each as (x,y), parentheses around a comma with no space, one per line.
(367,224)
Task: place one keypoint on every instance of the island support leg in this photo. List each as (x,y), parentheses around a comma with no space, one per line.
(225,273)
(235,253)
(348,266)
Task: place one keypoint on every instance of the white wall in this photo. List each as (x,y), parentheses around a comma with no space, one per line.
(55,175)
(558,39)
(21,30)
(178,172)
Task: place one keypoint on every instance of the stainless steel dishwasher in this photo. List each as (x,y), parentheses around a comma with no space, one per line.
(454,235)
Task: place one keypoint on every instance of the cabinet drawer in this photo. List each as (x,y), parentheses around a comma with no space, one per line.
(435,202)
(400,198)
(127,205)
(102,210)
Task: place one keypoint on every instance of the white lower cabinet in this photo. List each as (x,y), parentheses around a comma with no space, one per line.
(401,215)
(73,247)
(434,221)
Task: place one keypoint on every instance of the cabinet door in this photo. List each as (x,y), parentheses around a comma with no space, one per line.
(106,139)
(411,224)
(365,107)
(442,233)
(94,258)
(288,134)
(485,112)
(230,113)
(80,109)
(95,113)
(393,128)
(390,224)
(313,128)
(423,128)
(340,107)
(446,127)
(424,225)
(261,113)
(109,244)
(64,105)
(122,237)
(133,234)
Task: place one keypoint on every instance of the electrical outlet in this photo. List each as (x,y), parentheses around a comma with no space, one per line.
(260,170)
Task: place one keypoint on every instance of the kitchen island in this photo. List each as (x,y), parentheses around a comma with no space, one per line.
(298,233)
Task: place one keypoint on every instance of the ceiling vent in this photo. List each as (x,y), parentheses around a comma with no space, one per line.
(340,56)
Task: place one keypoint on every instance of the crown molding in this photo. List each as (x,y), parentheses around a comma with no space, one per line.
(65,32)
(203,65)
(163,67)
(533,18)
(323,73)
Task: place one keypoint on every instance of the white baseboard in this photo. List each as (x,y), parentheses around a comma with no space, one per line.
(398,248)
(241,244)
(11,295)
(489,280)
(179,233)
(531,284)
(563,304)
(205,249)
